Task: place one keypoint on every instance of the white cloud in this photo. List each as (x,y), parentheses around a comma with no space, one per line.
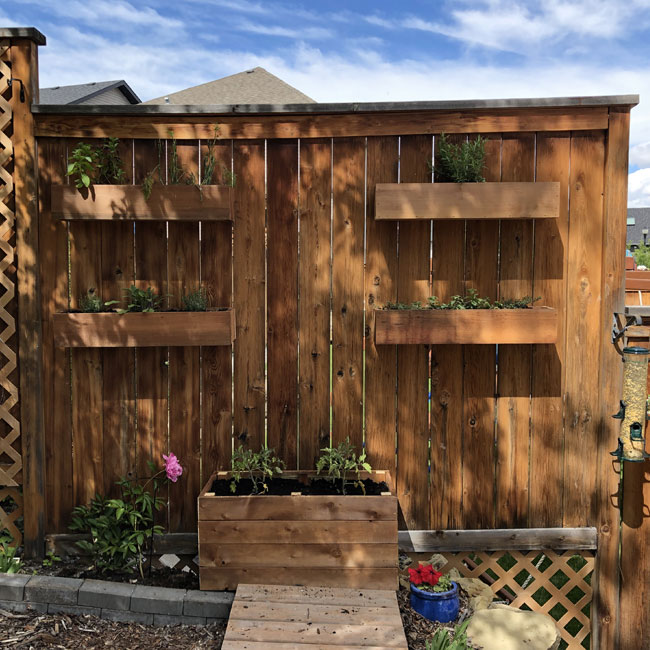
(640,155)
(277,30)
(638,191)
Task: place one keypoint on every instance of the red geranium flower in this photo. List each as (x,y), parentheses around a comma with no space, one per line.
(415,577)
(424,574)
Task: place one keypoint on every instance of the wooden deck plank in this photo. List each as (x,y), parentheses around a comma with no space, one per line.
(283,618)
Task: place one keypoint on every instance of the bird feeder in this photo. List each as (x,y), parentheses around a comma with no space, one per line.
(631,441)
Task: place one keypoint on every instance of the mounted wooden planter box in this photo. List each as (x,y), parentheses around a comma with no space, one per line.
(123,202)
(319,541)
(470,326)
(467,200)
(175,328)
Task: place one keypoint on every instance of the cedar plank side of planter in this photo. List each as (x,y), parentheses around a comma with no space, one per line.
(311,540)
(468,326)
(467,200)
(166,203)
(112,330)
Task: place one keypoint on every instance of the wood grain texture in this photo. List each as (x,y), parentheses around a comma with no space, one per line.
(480,363)
(549,282)
(413,283)
(491,200)
(119,406)
(216,361)
(249,287)
(584,295)
(513,382)
(472,326)
(326,126)
(314,282)
(282,300)
(446,421)
(380,287)
(347,291)
(127,202)
(90,330)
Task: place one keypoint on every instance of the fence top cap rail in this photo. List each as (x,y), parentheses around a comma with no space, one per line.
(355,107)
(30,33)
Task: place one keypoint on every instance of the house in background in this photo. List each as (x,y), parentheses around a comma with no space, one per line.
(638,227)
(256,86)
(96,92)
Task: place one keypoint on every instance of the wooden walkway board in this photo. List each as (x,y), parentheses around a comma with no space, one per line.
(291,618)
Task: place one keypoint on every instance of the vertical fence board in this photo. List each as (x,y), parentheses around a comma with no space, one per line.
(549,282)
(152,373)
(479,368)
(380,287)
(216,361)
(249,280)
(413,283)
(118,273)
(513,384)
(53,263)
(347,290)
(635,567)
(86,365)
(448,268)
(183,275)
(314,309)
(282,299)
(583,326)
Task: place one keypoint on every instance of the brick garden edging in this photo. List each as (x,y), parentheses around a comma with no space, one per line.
(115,601)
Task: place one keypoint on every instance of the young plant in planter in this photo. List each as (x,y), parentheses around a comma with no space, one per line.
(460,163)
(141,300)
(195,301)
(433,595)
(121,530)
(342,464)
(91,303)
(257,466)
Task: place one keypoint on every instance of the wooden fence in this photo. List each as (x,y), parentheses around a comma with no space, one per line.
(478,437)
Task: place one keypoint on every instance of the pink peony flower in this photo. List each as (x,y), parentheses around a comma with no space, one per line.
(172,467)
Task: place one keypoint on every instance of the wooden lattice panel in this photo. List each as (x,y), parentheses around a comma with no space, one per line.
(557,583)
(11,509)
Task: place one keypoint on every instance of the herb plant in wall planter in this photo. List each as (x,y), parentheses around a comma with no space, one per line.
(142,322)
(460,191)
(466,319)
(100,188)
(333,527)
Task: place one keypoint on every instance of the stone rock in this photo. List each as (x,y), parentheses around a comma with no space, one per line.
(480,594)
(506,628)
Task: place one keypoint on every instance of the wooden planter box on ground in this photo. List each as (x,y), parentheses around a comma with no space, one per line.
(467,200)
(471,326)
(120,202)
(317,541)
(174,328)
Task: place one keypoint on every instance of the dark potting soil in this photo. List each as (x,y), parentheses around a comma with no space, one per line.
(285,486)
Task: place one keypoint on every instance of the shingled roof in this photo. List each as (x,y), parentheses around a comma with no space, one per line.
(85,93)
(256,86)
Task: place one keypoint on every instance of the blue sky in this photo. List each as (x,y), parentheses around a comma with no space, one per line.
(359,51)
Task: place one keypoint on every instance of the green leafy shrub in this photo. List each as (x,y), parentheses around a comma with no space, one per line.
(470,301)
(642,255)
(142,300)
(91,303)
(9,563)
(257,466)
(441,640)
(100,163)
(195,301)
(81,165)
(110,169)
(460,163)
(342,464)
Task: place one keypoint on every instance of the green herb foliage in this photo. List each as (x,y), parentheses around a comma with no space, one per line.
(195,301)
(257,466)
(110,169)
(9,563)
(91,303)
(342,464)
(441,640)
(81,165)
(470,301)
(460,163)
(120,529)
(209,163)
(51,559)
(142,300)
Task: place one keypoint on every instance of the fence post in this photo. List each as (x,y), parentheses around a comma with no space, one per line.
(22,66)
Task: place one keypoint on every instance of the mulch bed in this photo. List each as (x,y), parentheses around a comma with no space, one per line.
(61,631)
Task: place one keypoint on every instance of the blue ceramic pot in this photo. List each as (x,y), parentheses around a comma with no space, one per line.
(440,606)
